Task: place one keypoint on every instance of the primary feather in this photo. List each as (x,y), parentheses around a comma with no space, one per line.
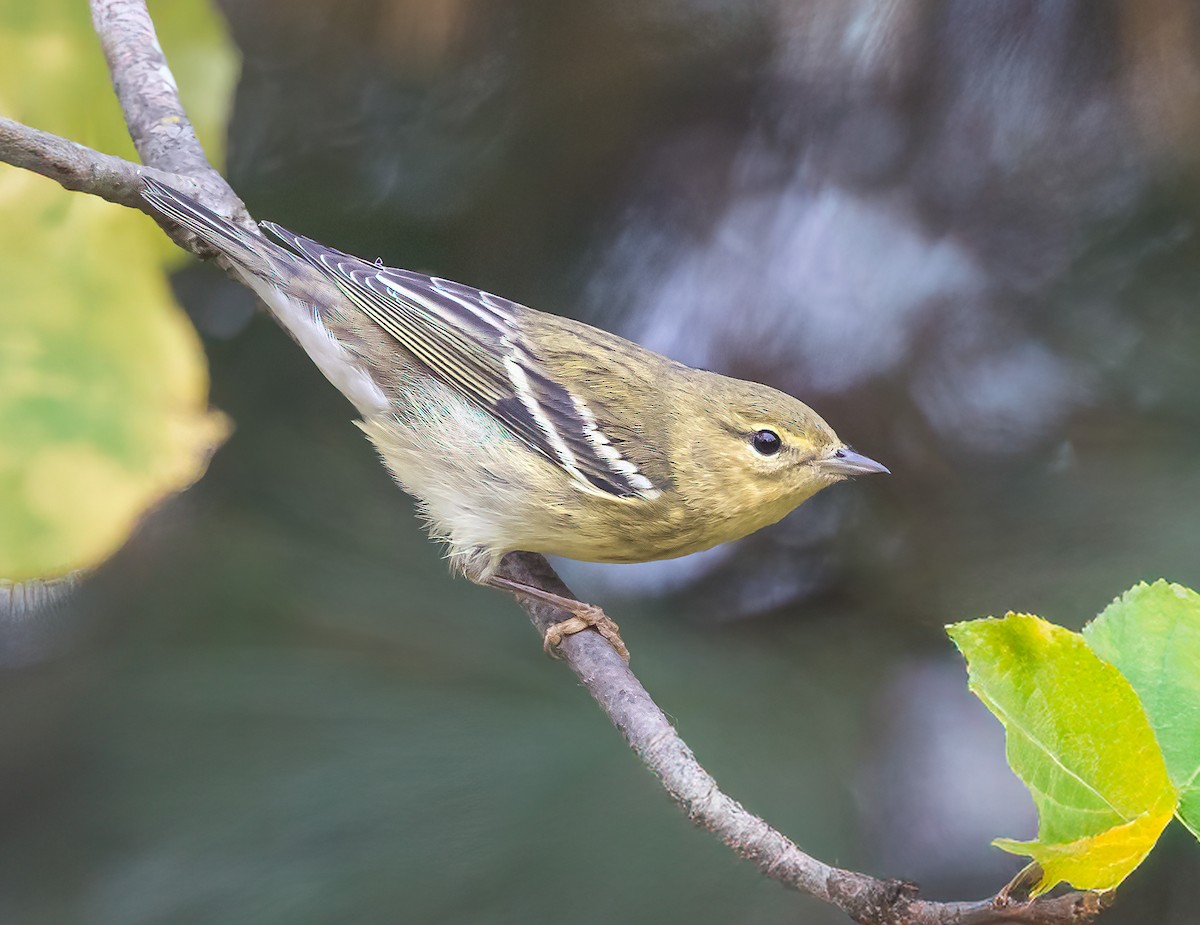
(472,340)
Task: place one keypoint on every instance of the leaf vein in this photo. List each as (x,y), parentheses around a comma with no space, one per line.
(1011,723)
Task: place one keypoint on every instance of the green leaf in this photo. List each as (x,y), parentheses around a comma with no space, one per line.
(1152,635)
(1189,809)
(1078,737)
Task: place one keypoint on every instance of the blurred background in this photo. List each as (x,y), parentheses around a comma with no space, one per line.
(964,231)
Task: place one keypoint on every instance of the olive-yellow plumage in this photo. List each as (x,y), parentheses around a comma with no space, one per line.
(516,429)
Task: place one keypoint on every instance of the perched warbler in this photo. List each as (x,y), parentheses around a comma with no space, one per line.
(519,430)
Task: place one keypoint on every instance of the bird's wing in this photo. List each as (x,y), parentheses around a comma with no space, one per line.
(472,341)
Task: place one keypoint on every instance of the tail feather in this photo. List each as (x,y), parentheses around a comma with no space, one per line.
(297,295)
(247,248)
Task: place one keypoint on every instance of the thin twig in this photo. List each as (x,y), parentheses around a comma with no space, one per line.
(650,734)
(83,169)
(146,90)
(77,167)
(157,122)
(167,144)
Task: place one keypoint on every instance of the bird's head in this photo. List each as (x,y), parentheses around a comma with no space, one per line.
(765,449)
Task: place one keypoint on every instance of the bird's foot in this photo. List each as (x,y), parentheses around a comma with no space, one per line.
(583,616)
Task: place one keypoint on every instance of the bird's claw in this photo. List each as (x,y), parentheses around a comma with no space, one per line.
(583,617)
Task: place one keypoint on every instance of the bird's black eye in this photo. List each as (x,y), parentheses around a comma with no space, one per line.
(766,442)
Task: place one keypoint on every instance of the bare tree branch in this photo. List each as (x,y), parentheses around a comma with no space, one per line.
(83,169)
(650,734)
(78,167)
(168,146)
(147,92)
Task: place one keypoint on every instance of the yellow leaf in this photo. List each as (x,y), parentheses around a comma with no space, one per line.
(1098,862)
(103,381)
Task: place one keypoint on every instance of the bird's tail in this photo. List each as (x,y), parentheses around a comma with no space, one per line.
(248,249)
(296,293)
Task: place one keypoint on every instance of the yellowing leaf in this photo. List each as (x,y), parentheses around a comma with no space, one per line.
(103,381)
(1078,737)
(103,387)
(1152,635)
(1099,861)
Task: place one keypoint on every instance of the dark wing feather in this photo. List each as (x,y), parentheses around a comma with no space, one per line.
(471,341)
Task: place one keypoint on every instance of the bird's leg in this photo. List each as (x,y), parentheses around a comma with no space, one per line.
(582,616)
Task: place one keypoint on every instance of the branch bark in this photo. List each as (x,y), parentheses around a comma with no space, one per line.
(650,734)
(149,97)
(171,152)
(72,165)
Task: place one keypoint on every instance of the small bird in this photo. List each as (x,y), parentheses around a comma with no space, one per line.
(519,430)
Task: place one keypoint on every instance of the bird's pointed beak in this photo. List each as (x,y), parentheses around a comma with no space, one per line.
(844,461)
